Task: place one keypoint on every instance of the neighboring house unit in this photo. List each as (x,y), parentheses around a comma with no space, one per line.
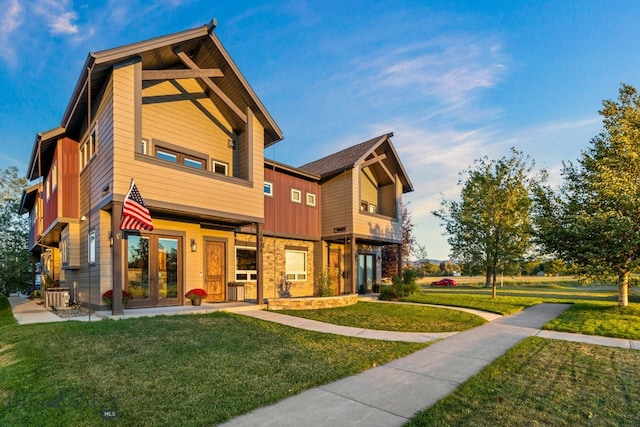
(175,114)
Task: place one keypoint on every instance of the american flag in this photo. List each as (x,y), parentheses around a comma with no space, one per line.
(135,215)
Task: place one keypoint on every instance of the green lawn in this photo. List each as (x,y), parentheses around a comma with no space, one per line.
(190,370)
(547,383)
(393,317)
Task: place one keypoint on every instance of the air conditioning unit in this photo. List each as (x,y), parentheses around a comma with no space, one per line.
(57,298)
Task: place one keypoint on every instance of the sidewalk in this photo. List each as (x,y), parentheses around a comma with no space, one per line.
(392,394)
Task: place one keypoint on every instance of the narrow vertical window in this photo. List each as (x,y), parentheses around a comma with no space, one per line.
(92,247)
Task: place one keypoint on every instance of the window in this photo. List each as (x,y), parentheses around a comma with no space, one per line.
(143,146)
(373,208)
(296,196)
(54,176)
(296,265)
(364,206)
(194,162)
(166,155)
(64,251)
(311,199)
(268,188)
(246,267)
(88,149)
(91,243)
(219,167)
(174,156)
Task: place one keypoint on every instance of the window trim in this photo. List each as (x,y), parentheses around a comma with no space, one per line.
(313,197)
(180,157)
(89,147)
(270,185)
(215,163)
(298,275)
(251,275)
(91,247)
(299,195)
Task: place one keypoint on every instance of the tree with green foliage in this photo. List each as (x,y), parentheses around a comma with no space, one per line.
(490,227)
(593,220)
(14,233)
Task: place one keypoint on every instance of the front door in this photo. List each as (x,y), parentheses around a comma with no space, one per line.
(154,270)
(215,268)
(366,272)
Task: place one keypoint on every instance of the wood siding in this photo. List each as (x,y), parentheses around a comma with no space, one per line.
(337,205)
(285,217)
(68,169)
(371,225)
(164,182)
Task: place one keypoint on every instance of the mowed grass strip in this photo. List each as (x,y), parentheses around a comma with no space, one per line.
(594,311)
(546,382)
(393,317)
(502,305)
(190,370)
(598,318)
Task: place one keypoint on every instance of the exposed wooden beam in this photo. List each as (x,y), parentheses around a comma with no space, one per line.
(211,85)
(378,158)
(180,74)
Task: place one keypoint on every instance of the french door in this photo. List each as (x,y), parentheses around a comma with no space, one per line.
(366,273)
(154,270)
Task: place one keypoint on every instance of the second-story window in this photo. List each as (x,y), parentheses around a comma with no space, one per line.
(311,199)
(88,149)
(268,188)
(54,175)
(296,196)
(174,156)
(219,167)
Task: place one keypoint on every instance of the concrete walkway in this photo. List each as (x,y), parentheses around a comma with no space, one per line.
(392,394)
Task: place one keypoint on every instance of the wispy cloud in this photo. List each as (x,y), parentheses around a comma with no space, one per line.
(58,15)
(10,22)
(451,69)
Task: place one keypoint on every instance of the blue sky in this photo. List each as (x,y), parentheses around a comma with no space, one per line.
(454,80)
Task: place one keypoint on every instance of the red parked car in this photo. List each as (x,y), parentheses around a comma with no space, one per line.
(445,282)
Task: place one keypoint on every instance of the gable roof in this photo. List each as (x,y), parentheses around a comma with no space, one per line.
(201,46)
(333,164)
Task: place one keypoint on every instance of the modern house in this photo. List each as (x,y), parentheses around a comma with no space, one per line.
(176,115)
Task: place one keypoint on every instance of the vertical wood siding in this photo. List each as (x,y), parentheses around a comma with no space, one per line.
(286,217)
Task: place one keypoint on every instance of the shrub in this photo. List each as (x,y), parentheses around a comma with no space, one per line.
(401,287)
(386,293)
(323,284)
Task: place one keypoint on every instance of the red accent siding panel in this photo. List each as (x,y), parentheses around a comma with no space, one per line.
(283,216)
(68,170)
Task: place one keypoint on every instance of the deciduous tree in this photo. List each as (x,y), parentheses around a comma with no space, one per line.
(490,226)
(593,220)
(14,233)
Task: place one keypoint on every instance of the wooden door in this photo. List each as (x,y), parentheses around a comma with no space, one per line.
(215,267)
(334,271)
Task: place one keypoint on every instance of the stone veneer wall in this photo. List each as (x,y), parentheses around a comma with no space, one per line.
(311,303)
(273,264)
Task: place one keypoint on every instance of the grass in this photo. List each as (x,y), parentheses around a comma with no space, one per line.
(393,317)
(599,318)
(165,371)
(594,311)
(546,382)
